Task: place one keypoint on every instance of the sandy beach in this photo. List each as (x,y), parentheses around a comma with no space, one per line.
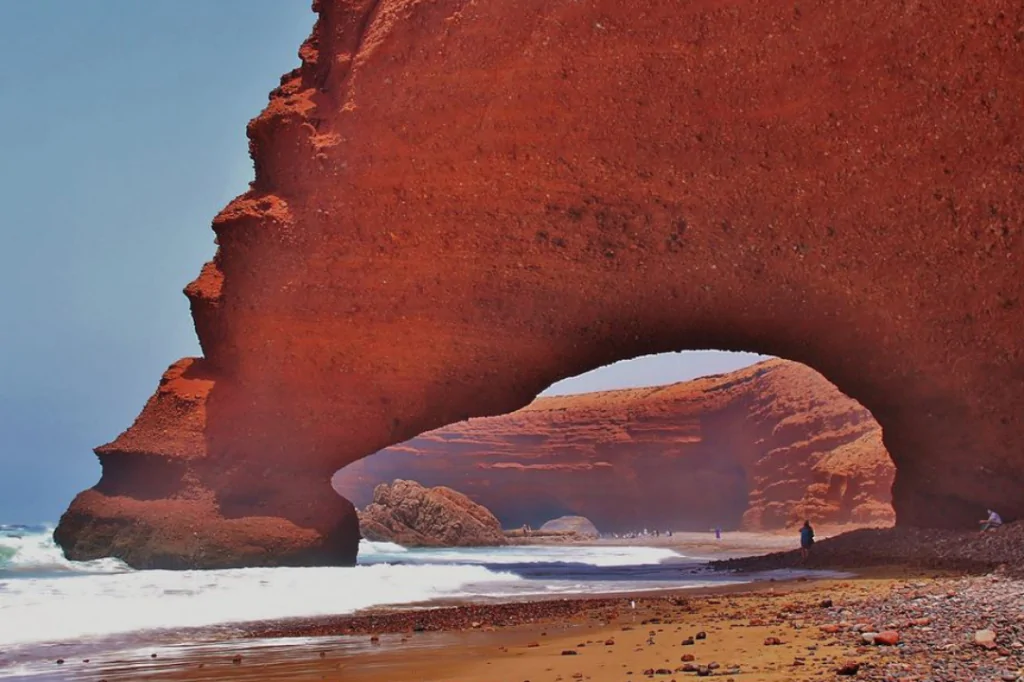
(884,622)
(800,630)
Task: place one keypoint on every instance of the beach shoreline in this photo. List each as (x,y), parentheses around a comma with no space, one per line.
(821,624)
(817,623)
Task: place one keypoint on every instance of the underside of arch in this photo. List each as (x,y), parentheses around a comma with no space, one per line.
(458,203)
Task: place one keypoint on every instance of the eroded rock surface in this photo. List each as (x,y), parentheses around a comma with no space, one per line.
(761,448)
(413,516)
(580,525)
(457,204)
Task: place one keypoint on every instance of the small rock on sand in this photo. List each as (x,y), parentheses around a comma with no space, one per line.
(985,638)
(849,668)
(887,638)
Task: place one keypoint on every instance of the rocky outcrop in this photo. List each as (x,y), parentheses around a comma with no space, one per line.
(410,515)
(579,526)
(761,448)
(457,204)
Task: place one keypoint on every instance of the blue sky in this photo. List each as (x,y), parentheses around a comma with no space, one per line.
(122,133)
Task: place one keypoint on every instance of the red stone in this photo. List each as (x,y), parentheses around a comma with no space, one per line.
(456,205)
(887,638)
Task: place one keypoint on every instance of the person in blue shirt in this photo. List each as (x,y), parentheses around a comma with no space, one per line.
(992,522)
(806,540)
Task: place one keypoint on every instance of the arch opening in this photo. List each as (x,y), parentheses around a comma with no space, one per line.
(674,441)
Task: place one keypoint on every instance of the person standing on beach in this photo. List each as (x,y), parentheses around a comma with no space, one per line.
(806,540)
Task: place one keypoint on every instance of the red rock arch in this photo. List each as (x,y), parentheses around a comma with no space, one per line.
(457,204)
(760,448)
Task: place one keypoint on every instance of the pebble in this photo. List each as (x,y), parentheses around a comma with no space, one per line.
(849,668)
(888,638)
(968,638)
(985,638)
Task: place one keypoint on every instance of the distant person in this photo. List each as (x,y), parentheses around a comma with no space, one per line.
(806,540)
(992,522)
(718,532)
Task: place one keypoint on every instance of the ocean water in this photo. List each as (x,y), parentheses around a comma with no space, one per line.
(51,607)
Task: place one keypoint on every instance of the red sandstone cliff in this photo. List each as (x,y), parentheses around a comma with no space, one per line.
(761,448)
(457,204)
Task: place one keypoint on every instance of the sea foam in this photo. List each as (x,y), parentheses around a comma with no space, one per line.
(46,598)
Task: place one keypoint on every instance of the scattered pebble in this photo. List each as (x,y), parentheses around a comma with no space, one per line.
(849,668)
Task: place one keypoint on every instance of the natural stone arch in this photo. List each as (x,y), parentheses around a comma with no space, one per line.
(457,204)
(758,448)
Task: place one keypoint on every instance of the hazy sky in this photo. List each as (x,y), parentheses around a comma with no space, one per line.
(122,133)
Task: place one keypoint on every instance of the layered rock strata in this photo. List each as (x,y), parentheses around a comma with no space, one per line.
(410,515)
(761,448)
(457,204)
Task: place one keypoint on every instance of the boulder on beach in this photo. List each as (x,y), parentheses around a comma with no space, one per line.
(580,525)
(411,515)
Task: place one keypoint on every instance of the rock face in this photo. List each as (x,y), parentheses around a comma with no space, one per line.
(413,516)
(579,525)
(456,205)
(760,449)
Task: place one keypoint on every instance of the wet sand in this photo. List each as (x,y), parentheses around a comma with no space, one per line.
(704,545)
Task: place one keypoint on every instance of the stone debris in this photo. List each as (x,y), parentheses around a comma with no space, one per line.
(946,630)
